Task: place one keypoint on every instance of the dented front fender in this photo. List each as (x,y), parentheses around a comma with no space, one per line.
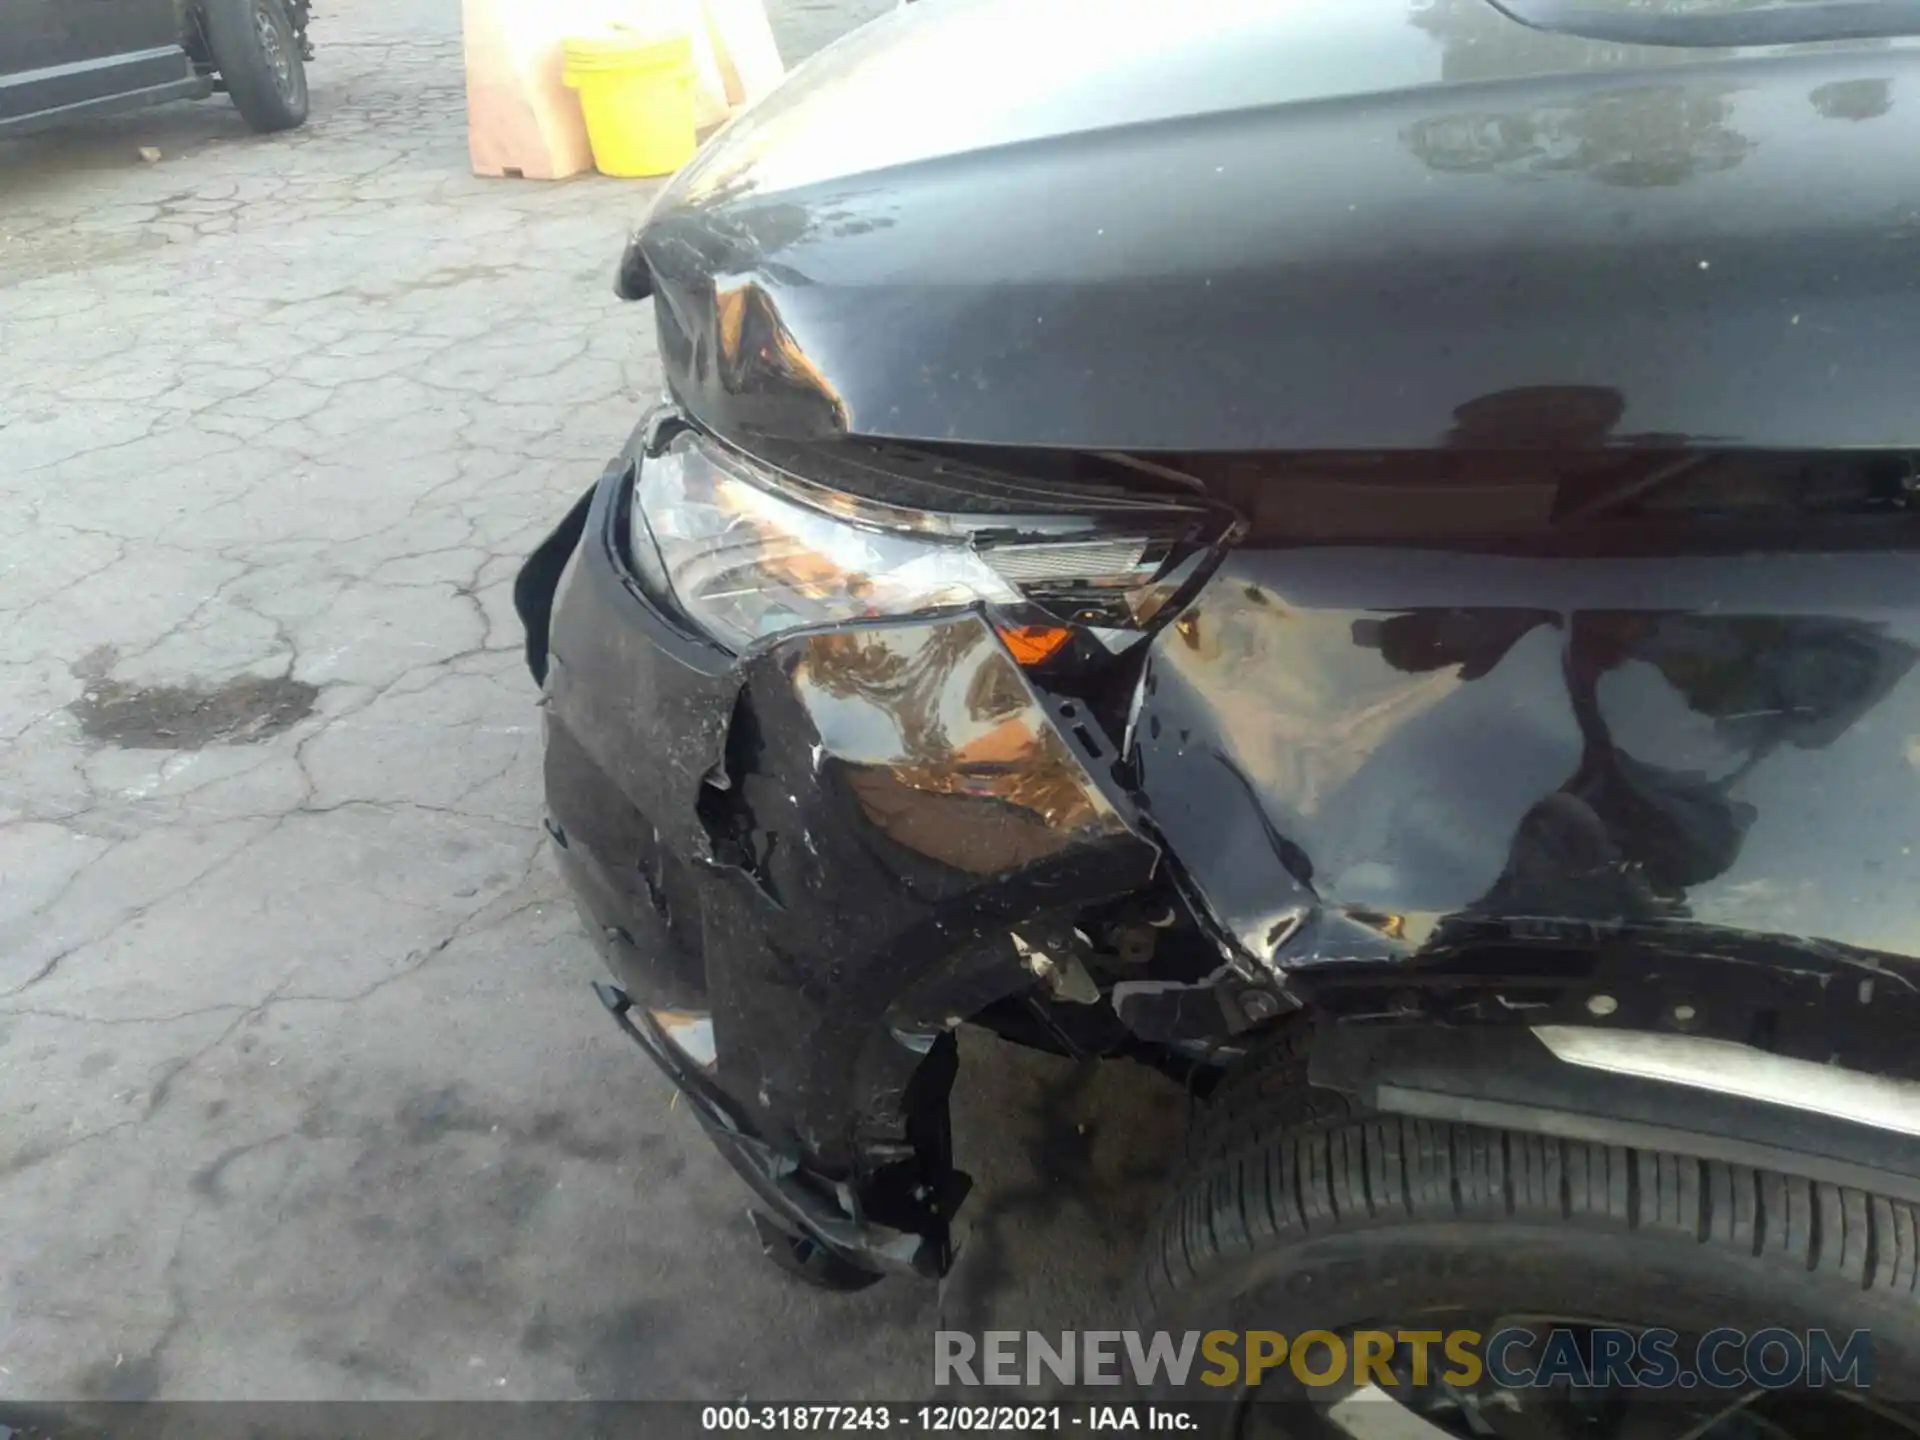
(1686,784)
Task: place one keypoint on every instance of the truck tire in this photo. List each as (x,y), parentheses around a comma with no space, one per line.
(258,55)
(1298,1211)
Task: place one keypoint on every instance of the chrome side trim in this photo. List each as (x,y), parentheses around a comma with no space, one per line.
(1732,1069)
(97,64)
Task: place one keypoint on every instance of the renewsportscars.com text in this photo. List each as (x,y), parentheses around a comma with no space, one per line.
(1517,1357)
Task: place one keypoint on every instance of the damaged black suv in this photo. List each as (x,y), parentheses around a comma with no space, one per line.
(1357,552)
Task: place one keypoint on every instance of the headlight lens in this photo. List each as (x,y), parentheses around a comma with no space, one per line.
(744,559)
(746,551)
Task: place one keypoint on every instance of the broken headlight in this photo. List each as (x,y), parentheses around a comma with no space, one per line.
(746,551)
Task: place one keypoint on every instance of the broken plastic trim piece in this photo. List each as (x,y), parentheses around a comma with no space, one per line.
(691,1033)
(807,1259)
(633,280)
(776,1178)
(539,578)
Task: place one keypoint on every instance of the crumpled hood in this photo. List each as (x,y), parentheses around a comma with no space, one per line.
(1276,224)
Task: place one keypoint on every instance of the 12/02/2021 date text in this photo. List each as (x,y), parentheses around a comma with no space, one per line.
(948,1419)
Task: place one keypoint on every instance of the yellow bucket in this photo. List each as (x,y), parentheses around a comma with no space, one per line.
(637,96)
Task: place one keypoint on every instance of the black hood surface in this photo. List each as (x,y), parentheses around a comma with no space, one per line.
(1299,224)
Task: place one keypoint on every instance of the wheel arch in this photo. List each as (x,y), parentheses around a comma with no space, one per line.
(1653,1090)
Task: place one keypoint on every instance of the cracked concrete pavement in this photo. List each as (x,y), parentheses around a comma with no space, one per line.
(302,1093)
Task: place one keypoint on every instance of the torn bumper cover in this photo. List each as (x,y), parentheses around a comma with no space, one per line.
(803,865)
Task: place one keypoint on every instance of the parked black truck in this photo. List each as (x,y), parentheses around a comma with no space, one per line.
(1358,552)
(63,59)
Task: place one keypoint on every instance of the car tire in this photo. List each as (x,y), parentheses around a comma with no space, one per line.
(1297,1210)
(258,56)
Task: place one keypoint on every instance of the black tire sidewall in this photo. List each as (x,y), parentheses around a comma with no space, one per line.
(243,65)
(1455,1274)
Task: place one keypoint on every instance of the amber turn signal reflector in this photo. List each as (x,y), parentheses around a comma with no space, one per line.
(1034,644)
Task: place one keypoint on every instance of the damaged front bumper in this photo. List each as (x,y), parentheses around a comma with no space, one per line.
(1397,788)
(805,865)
